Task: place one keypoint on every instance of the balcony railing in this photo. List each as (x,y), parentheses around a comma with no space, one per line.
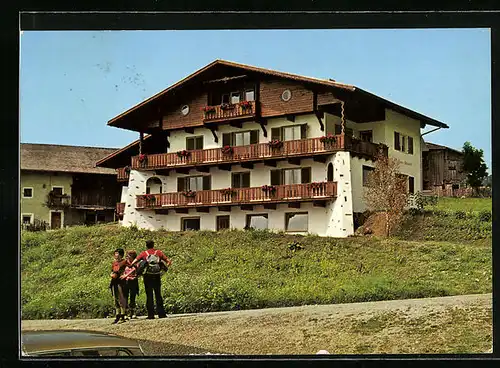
(256,195)
(255,152)
(229,111)
(92,200)
(123,173)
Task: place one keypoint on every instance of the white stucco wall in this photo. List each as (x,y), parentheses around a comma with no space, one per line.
(357,182)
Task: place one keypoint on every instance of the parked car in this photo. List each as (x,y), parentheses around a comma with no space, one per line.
(69,343)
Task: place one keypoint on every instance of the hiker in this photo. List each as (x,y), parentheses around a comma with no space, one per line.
(155,262)
(131,283)
(116,285)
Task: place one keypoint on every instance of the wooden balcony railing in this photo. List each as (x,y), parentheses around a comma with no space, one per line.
(256,195)
(255,152)
(229,111)
(92,199)
(120,209)
(123,174)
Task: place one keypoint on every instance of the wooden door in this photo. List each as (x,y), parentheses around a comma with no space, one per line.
(55,220)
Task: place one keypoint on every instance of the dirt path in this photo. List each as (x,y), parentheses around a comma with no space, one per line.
(456,324)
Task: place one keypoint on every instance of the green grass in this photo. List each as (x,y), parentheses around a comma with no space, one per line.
(64,273)
(463,204)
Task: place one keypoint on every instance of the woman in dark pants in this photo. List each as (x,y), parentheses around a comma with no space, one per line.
(131,286)
(117,283)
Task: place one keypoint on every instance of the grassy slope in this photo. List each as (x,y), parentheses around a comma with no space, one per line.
(65,272)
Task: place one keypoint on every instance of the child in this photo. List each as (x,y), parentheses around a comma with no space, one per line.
(131,284)
(117,284)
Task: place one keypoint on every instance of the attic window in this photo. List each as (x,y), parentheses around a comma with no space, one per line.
(286,95)
(185,110)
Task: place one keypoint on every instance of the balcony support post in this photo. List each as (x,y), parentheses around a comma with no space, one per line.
(214,130)
(262,123)
(141,139)
(318,113)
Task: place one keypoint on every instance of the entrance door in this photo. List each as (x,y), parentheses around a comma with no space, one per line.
(55,220)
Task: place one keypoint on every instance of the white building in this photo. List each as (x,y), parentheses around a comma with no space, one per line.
(208,161)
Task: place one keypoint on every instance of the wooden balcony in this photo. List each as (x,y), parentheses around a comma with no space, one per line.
(256,152)
(319,192)
(92,200)
(123,174)
(229,112)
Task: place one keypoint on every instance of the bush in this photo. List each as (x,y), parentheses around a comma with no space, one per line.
(485,216)
(460,215)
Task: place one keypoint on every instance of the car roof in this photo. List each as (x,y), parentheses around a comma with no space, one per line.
(44,341)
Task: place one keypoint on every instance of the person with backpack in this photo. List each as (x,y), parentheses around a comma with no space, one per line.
(154,261)
(116,285)
(131,283)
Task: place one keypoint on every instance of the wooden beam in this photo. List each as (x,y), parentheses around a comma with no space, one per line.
(162,211)
(319,203)
(294,205)
(294,161)
(167,143)
(225,79)
(246,207)
(316,112)
(182,170)
(271,163)
(203,209)
(263,127)
(290,118)
(247,165)
(226,167)
(321,159)
(181,210)
(141,140)
(270,206)
(204,169)
(236,124)
(225,208)
(164,172)
(189,130)
(213,130)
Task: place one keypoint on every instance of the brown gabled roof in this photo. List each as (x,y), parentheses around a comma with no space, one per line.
(434,146)
(120,151)
(61,158)
(324,82)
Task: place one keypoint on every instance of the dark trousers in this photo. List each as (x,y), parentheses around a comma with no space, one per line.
(131,289)
(152,283)
(120,301)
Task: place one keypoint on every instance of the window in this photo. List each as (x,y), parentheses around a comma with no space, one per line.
(348,131)
(57,190)
(27,192)
(296,221)
(240,138)
(411,184)
(193,143)
(225,98)
(330,172)
(286,95)
(257,221)
(240,180)
(397,141)
(410,145)
(194,183)
(366,171)
(289,133)
(222,222)
(235,97)
(185,110)
(366,136)
(153,185)
(192,223)
(27,218)
(400,143)
(249,95)
(291,176)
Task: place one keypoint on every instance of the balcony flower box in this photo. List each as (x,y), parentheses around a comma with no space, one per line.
(183,153)
(227,150)
(269,189)
(275,144)
(208,109)
(227,192)
(142,158)
(189,194)
(150,199)
(226,106)
(328,139)
(318,185)
(245,105)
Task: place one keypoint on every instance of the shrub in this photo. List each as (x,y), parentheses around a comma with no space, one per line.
(485,216)
(460,215)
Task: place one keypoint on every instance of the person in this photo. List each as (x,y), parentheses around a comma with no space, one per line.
(131,283)
(152,278)
(116,285)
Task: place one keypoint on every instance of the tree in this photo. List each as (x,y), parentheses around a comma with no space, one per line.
(386,191)
(474,166)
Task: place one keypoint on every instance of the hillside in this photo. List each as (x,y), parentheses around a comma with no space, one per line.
(64,273)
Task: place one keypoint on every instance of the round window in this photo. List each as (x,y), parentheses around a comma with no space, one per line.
(185,110)
(286,95)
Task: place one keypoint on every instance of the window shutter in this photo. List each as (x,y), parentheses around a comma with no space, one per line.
(189,143)
(396,141)
(305,175)
(235,181)
(226,139)
(254,136)
(411,184)
(181,184)
(246,180)
(303,131)
(199,143)
(275,134)
(410,145)
(206,182)
(338,129)
(275,177)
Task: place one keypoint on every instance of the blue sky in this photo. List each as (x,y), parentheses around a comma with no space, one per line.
(72,83)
